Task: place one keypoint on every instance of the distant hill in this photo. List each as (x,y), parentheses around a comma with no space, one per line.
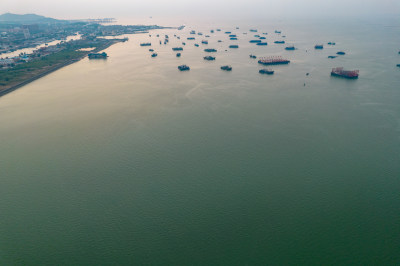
(27,18)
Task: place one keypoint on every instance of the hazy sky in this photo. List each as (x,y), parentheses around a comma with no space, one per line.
(257,8)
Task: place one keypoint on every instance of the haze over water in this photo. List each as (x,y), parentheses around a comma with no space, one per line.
(129,161)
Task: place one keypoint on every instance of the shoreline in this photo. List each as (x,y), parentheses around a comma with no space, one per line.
(55,68)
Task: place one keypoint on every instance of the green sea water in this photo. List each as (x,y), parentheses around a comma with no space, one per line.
(129,161)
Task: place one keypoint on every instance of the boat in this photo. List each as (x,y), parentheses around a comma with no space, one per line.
(332,56)
(219,41)
(181,27)
(398,65)
(209,58)
(178,55)
(234,46)
(228,32)
(212,31)
(218,29)
(207,36)
(183,43)
(145,44)
(177,49)
(151,50)
(290,48)
(191,38)
(209,50)
(183,67)
(341,53)
(273,60)
(267,71)
(97,55)
(204,42)
(340,72)
(257,36)
(154,54)
(255,41)
(196,45)
(193,32)
(233,39)
(319,46)
(232,35)
(226,68)
(262,43)
(199,33)
(331,43)
(253,30)
(278,32)
(253,56)
(262,38)
(279,42)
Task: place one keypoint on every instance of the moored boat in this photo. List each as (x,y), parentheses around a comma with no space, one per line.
(97,55)
(226,68)
(340,72)
(183,67)
(273,60)
(209,58)
(267,71)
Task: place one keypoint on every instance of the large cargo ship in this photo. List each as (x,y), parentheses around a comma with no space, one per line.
(273,60)
(340,72)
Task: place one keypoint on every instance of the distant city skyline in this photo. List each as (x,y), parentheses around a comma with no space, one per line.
(65,9)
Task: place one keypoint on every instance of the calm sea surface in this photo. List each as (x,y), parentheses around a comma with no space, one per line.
(129,161)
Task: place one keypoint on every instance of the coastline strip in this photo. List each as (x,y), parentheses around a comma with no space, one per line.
(55,68)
